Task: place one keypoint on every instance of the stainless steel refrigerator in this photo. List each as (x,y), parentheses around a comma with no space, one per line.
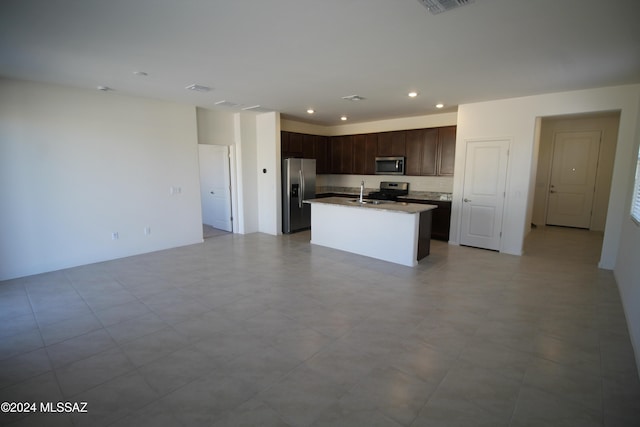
(298,184)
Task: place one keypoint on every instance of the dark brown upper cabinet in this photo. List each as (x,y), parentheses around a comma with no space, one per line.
(295,143)
(421,145)
(391,144)
(428,152)
(446,150)
(431,152)
(365,148)
(284,143)
(342,154)
(306,146)
(323,164)
(309,146)
(291,144)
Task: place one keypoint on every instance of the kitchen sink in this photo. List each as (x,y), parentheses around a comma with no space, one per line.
(369,202)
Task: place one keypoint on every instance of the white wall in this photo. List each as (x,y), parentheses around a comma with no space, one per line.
(77,165)
(247,158)
(301,127)
(627,269)
(515,119)
(216,127)
(269,173)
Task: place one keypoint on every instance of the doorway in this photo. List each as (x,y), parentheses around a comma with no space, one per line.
(215,189)
(574,165)
(580,198)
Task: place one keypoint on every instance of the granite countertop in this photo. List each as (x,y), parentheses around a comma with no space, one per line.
(400,207)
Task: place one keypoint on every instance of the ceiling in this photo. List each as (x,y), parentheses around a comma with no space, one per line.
(291,55)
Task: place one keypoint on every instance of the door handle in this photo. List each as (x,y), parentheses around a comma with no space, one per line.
(466,200)
(302,189)
(212,192)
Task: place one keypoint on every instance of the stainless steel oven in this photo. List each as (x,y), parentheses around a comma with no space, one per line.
(390,191)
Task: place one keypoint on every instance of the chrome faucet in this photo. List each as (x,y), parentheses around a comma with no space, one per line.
(361,192)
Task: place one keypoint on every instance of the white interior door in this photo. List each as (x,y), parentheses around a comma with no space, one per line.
(215,186)
(573,178)
(485,178)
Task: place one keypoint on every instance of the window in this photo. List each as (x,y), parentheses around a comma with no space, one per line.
(635,203)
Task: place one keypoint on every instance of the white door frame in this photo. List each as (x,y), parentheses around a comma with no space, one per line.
(234,189)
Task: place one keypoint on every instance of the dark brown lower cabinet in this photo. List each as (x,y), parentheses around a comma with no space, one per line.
(440,218)
(424,234)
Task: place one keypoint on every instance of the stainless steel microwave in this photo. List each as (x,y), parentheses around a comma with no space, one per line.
(389,165)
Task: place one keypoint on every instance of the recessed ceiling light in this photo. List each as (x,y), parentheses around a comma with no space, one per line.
(412,94)
(439,105)
(343,118)
(311,111)
(198,88)
(104,88)
(141,73)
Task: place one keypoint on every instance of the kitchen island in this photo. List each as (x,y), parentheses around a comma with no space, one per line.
(397,232)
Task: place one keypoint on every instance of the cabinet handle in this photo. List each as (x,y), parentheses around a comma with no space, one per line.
(466,200)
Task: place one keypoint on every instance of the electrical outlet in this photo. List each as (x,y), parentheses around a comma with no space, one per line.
(147,230)
(115,235)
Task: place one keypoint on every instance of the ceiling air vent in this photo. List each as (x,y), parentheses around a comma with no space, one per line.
(257,109)
(353,98)
(198,88)
(439,6)
(227,104)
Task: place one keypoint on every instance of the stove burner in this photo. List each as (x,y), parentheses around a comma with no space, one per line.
(390,191)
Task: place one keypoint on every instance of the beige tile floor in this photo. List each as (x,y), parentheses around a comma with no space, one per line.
(209,231)
(263,330)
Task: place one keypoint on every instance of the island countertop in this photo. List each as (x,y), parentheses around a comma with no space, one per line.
(385,205)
